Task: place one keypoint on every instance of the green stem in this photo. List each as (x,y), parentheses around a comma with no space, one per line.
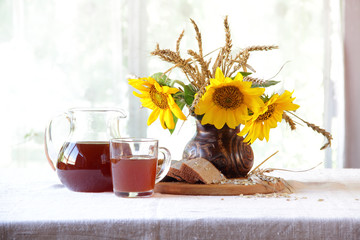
(178,82)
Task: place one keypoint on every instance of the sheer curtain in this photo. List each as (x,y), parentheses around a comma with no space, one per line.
(57,55)
(61,54)
(352,82)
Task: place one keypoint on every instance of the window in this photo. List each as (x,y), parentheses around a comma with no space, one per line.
(60,54)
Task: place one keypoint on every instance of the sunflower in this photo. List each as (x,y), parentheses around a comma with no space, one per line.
(227,101)
(261,122)
(158,98)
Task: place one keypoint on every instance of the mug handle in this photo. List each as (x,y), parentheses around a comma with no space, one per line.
(48,139)
(165,166)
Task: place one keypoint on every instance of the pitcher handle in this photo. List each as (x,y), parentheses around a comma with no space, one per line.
(165,166)
(49,145)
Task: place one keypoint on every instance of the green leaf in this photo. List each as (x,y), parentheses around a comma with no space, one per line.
(246,73)
(162,79)
(265,97)
(267,83)
(189,94)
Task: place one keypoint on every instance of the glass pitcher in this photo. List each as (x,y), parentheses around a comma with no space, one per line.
(83,162)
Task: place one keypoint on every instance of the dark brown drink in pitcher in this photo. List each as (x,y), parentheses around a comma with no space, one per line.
(85,166)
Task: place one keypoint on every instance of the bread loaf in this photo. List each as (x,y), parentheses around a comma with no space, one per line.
(174,171)
(198,170)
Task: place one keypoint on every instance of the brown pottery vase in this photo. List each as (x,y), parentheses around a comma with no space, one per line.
(223,148)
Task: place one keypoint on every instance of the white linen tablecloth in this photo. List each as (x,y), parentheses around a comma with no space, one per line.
(325,205)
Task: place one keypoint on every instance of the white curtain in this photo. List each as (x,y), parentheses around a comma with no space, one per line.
(352,83)
(60,54)
(55,55)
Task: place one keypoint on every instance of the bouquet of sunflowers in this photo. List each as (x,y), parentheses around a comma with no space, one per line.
(219,91)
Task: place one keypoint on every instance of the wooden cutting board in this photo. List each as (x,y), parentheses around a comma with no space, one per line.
(180,188)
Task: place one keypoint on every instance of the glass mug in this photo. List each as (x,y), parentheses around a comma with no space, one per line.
(134,165)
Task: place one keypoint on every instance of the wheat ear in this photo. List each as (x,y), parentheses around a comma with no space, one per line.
(178,42)
(289,121)
(317,129)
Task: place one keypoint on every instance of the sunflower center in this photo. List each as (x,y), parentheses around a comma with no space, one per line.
(159,99)
(228,97)
(267,114)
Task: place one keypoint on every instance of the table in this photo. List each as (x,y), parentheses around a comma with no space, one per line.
(325,205)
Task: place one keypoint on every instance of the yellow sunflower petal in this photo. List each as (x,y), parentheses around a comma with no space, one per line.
(244,131)
(153,116)
(220,119)
(150,80)
(162,119)
(172,90)
(139,82)
(203,107)
(142,88)
(158,87)
(244,86)
(238,77)
(169,120)
(254,103)
(231,120)
(272,123)
(241,114)
(219,76)
(273,99)
(251,136)
(248,126)
(285,101)
(264,132)
(253,91)
(248,139)
(145,102)
(133,82)
(260,131)
(177,111)
(209,115)
(143,95)
(165,89)
(277,116)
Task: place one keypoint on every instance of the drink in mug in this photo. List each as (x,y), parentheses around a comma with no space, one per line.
(134,166)
(134,174)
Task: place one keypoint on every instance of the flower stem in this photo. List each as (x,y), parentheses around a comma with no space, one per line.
(178,82)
